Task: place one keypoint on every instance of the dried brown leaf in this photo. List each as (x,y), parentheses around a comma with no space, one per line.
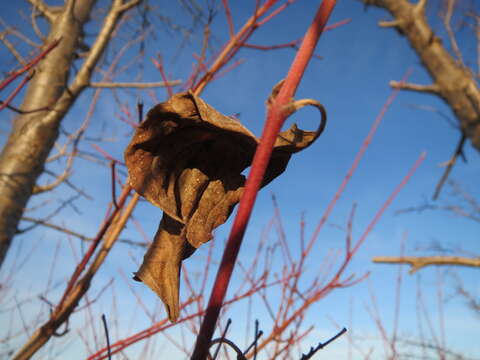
(187,159)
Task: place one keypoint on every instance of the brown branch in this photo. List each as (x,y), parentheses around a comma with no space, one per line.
(48,12)
(38,189)
(11,47)
(83,77)
(419,262)
(450,164)
(19,35)
(453,83)
(451,35)
(387,24)
(114,177)
(431,89)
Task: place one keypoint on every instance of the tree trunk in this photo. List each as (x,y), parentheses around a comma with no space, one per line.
(33,135)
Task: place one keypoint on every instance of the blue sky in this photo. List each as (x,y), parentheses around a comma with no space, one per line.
(358,61)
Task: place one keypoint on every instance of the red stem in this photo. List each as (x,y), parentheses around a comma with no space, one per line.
(32,63)
(354,166)
(159,66)
(294,43)
(228,14)
(275,119)
(14,93)
(88,255)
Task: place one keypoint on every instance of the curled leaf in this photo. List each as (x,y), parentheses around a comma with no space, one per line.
(187,159)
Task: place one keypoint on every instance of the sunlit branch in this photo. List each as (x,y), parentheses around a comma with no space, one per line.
(419,262)
(432,89)
(11,48)
(458,152)
(46,11)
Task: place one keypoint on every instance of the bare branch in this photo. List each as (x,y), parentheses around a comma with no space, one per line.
(11,48)
(452,83)
(65,174)
(82,79)
(477,35)
(419,7)
(418,262)
(450,164)
(20,157)
(391,23)
(322,345)
(54,227)
(432,89)
(18,34)
(129,5)
(64,230)
(78,286)
(48,12)
(137,85)
(451,35)
(38,189)
(36,29)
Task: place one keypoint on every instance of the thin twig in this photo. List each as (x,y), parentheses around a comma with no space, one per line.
(114,195)
(257,336)
(140,111)
(322,345)
(31,64)
(104,320)
(135,85)
(458,152)
(14,93)
(229,322)
(159,65)
(353,167)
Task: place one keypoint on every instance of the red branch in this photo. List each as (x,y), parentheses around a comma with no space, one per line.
(350,253)
(354,166)
(159,66)
(31,64)
(14,93)
(164,323)
(293,43)
(235,43)
(228,14)
(275,119)
(91,250)
(106,154)
(389,201)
